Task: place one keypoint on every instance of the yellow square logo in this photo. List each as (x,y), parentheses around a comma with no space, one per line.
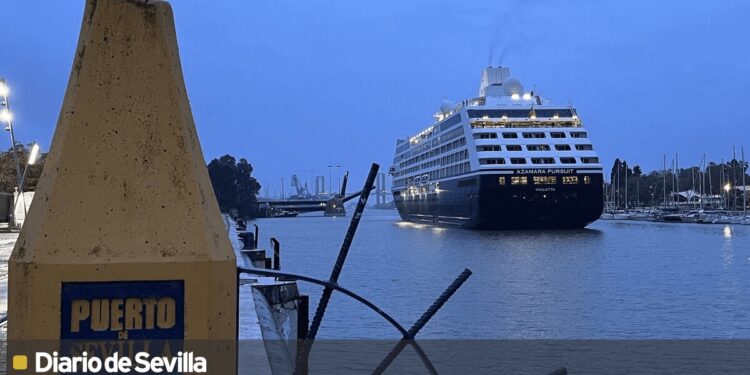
(20,362)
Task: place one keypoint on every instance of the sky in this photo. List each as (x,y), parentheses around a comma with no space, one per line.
(296,86)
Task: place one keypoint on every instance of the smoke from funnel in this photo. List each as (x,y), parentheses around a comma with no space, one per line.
(509,32)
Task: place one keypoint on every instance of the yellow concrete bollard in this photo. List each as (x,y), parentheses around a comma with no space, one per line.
(124,241)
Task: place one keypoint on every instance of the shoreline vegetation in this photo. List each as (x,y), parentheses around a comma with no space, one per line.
(235,188)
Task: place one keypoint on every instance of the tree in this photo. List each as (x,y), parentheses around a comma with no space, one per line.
(8,176)
(223,172)
(247,188)
(637,171)
(234,186)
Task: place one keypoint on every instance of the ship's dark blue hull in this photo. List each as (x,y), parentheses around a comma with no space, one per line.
(481,202)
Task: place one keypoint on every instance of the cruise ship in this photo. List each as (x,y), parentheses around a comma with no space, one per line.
(506,159)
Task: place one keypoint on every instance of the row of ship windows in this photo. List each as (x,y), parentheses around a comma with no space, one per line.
(435,152)
(584,147)
(543,180)
(405,150)
(509,135)
(448,171)
(445,160)
(563,160)
(521,113)
(490,124)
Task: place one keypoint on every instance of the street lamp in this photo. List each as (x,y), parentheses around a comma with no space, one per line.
(7,117)
(726,189)
(330,177)
(33,157)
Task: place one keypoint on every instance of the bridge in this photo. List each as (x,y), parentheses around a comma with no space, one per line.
(333,206)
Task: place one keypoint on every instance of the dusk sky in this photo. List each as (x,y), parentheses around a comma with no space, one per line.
(295,86)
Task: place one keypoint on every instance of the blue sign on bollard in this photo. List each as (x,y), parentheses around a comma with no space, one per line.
(123,310)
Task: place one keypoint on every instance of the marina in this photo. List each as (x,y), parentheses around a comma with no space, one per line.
(677,216)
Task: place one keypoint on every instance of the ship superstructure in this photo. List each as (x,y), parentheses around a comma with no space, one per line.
(505,159)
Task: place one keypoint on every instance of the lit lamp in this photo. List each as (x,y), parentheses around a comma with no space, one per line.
(726,189)
(33,157)
(7,117)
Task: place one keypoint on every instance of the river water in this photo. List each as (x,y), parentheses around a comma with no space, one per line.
(614,280)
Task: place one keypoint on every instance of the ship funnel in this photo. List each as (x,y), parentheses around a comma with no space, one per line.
(492,81)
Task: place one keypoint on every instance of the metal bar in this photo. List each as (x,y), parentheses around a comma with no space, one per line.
(303,324)
(420,323)
(300,368)
(439,302)
(256,236)
(327,284)
(338,266)
(275,246)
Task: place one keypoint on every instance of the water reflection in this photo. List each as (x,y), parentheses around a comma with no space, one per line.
(727,231)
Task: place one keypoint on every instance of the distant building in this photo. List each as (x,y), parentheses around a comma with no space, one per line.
(320,185)
(380,189)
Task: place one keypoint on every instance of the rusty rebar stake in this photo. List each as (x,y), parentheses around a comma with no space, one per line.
(337,267)
(420,323)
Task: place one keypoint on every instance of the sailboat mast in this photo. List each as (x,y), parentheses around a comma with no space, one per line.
(674,169)
(705,168)
(692,178)
(710,185)
(744,186)
(617,198)
(677,178)
(734,178)
(721,186)
(626,185)
(664,186)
